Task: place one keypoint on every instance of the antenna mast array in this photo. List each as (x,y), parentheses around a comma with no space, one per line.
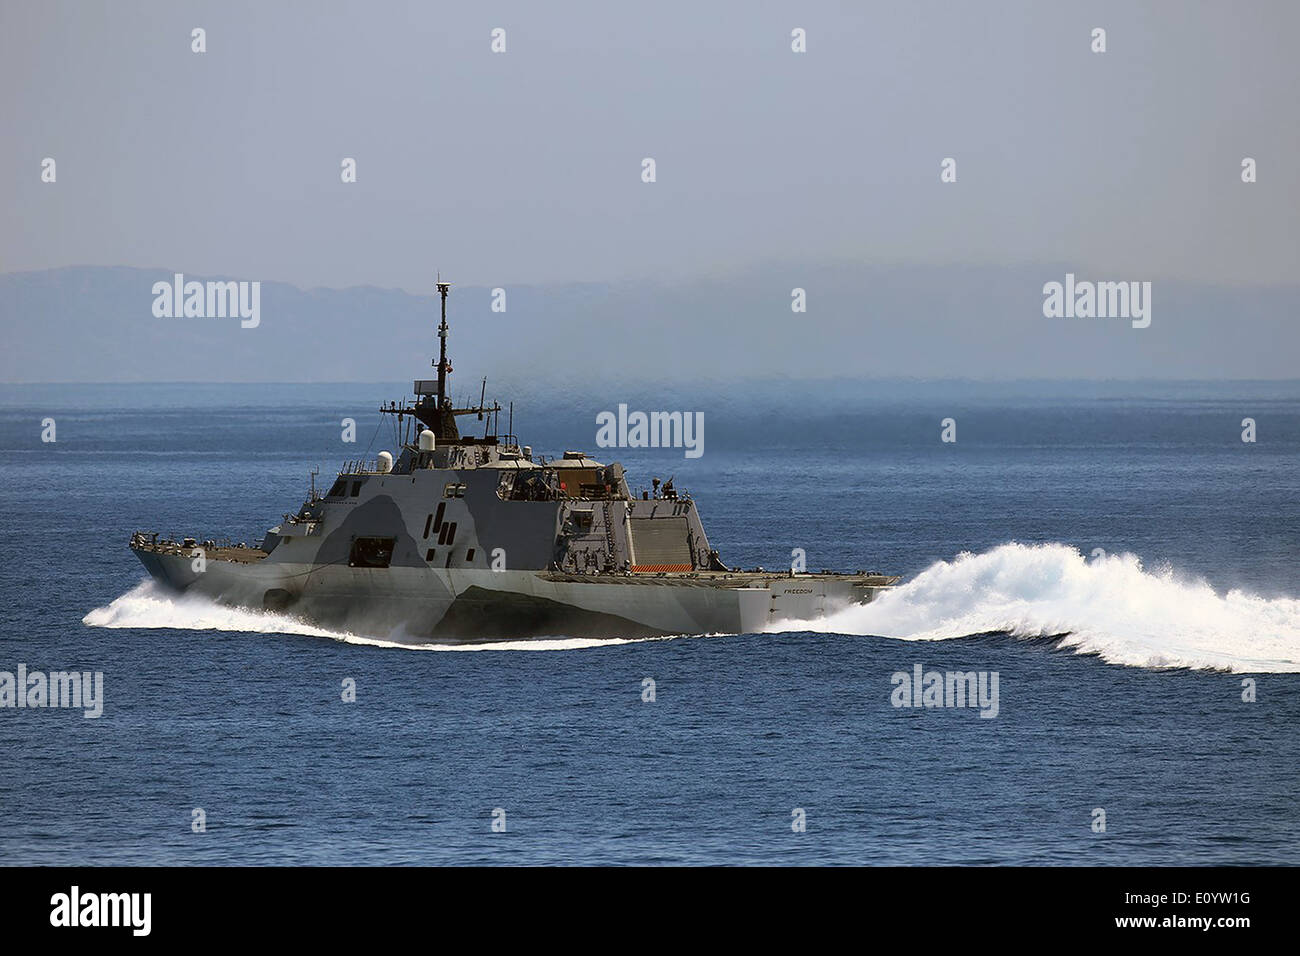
(443,288)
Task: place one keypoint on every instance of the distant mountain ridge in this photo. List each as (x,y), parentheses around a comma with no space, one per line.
(96,324)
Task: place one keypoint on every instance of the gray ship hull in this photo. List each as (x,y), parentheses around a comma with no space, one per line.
(416,605)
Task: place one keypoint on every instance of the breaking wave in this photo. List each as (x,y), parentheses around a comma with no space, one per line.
(1109,606)
(150,606)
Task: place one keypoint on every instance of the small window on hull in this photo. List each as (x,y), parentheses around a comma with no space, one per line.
(338,490)
(356,488)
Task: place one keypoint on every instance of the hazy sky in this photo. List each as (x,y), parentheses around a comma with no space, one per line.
(526,166)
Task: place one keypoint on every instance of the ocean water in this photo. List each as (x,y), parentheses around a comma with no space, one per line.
(1114,552)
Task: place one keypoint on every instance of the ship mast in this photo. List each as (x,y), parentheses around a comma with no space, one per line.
(442,344)
(434,408)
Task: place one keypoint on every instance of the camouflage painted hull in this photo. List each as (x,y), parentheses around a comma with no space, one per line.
(415,605)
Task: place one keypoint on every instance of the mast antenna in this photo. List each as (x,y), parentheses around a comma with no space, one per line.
(443,287)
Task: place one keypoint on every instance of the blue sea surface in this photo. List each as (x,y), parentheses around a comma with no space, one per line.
(1201,539)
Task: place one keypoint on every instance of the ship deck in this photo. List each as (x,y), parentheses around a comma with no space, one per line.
(220,552)
(724,579)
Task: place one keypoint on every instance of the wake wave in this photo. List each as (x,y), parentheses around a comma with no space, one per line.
(149,606)
(1110,606)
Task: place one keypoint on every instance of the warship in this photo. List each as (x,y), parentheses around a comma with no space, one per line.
(472,538)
